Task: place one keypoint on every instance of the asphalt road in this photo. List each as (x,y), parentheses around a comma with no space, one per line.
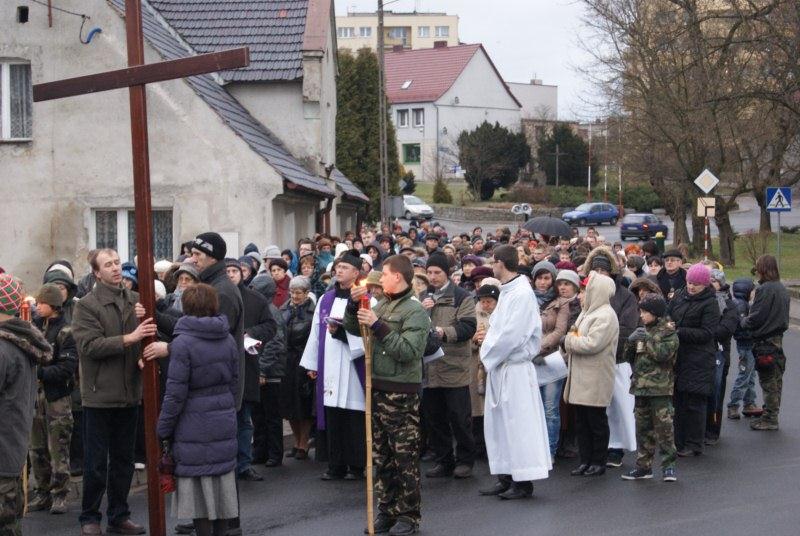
(746,218)
(746,485)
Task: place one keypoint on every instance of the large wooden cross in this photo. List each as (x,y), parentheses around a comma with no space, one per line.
(135,77)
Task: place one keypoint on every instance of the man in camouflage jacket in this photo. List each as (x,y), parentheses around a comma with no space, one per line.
(652,350)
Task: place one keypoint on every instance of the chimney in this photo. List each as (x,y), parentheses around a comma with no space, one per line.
(440,44)
(536,82)
(397,48)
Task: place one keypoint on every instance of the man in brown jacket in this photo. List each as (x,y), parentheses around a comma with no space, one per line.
(446,398)
(109,338)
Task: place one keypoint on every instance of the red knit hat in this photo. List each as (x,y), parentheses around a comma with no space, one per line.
(10,294)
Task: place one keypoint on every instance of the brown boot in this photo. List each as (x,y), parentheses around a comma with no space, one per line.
(733,413)
(91,529)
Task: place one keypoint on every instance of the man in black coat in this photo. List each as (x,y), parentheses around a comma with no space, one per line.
(672,276)
(259,325)
(696,315)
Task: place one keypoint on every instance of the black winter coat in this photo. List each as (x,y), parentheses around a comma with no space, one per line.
(696,319)
(260,325)
(624,304)
(728,322)
(741,296)
(678,282)
(58,376)
(769,314)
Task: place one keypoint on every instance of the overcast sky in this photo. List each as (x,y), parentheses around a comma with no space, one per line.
(525,39)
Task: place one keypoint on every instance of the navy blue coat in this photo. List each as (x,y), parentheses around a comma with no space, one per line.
(199,409)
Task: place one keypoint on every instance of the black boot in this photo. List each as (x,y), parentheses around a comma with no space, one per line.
(383,522)
(518,490)
(403,526)
(578,471)
(502,485)
(595,470)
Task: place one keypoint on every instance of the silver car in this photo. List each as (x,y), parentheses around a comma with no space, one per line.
(415,208)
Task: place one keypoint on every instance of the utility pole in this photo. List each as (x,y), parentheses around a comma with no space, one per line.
(605,163)
(558,154)
(589,173)
(382,152)
(619,167)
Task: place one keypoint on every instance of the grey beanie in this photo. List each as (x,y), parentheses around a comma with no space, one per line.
(719,277)
(571,276)
(545,266)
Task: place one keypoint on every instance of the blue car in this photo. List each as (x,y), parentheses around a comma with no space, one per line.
(592,214)
(644,226)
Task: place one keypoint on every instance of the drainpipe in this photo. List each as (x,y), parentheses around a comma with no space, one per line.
(436,107)
(324,214)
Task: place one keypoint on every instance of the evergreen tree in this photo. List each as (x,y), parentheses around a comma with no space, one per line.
(572,165)
(492,157)
(357,133)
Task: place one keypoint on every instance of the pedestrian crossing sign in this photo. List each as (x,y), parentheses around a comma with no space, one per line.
(779,199)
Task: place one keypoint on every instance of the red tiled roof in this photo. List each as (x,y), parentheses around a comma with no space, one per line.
(432,72)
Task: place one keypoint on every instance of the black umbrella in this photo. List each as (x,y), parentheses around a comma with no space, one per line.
(548,225)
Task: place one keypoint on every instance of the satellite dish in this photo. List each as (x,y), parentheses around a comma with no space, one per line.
(526,209)
(516,209)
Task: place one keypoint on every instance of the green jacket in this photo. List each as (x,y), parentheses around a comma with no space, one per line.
(653,366)
(110,376)
(399,339)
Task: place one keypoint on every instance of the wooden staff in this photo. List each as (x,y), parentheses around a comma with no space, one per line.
(25,314)
(367,338)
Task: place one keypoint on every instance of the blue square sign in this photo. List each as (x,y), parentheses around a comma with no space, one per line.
(779,199)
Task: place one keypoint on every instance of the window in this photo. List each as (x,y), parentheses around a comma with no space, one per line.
(443,31)
(411,153)
(423,31)
(365,31)
(345,32)
(402,118)
(406,84)
(16,101)
(398,33)
(419,117)
(116,228)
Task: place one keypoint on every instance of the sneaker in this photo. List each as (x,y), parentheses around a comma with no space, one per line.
(40,502)
(733,413)
(614,460)
(762,425)
(638,474)
(668,475)
(59,506)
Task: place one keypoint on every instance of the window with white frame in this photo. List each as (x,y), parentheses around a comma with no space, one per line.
(443,31)
(418,116)
(423,31)
(365,31)
(345,32)
(16,101)
(398,33)
(116,229)
(402,118)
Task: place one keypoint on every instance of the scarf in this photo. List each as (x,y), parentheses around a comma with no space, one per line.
(544,298)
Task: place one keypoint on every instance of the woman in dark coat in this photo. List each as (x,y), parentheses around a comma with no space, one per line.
(696,315)
(199,413)
(296,388)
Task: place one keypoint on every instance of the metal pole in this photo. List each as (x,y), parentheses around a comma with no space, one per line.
(589,171)
(605,163)
(621,206)
(557,155)
(144,247)
(383,152)
(705,244)
(779,242)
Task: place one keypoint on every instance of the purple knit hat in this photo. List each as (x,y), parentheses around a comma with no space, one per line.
(699,274)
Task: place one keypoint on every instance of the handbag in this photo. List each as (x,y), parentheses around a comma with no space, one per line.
(166,468)
(766,355)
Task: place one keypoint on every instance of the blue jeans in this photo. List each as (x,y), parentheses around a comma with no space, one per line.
(745,385)
(109,438)
(244,424)
(551,399)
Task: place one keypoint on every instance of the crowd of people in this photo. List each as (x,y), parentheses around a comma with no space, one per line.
(516,348)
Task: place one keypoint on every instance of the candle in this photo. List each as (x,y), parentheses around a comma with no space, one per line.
(25,309)
(364,302)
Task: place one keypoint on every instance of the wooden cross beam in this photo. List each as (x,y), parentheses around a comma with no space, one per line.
(135,77)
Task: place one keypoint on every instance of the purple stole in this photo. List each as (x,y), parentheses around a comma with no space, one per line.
(325,305)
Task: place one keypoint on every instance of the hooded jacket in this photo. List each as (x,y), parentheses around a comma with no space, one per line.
(623,302)
(592,348)
(645,283)
(454,312)
(696,318)
(22,349)
(741,290)
(199,408)
(58,376)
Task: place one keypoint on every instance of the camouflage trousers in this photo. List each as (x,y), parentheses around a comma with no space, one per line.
(11,506)
(395,452)
(50,440)
(654,429)
(771,381)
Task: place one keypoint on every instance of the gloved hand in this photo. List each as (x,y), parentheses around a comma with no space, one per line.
(639,334)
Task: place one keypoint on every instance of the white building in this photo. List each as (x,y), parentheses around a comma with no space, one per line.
(437,93)
(247,153)
(538,100)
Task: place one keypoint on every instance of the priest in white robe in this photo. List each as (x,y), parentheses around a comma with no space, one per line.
(335,359)
(514,423)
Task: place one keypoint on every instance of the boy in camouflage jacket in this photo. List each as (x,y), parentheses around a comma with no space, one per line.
(652,350)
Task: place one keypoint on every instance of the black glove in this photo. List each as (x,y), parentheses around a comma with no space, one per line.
(639,334)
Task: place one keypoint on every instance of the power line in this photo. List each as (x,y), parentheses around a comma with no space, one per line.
(60,9)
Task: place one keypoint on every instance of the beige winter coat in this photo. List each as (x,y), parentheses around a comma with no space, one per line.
(555,318)
(592,349)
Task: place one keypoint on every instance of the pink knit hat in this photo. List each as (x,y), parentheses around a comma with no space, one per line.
(699,274)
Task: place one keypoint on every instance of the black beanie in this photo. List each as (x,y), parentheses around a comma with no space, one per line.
(439,260)
(488,291)
(353,258)
(602,262)
(233,263)
(212,244)
(653,304)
